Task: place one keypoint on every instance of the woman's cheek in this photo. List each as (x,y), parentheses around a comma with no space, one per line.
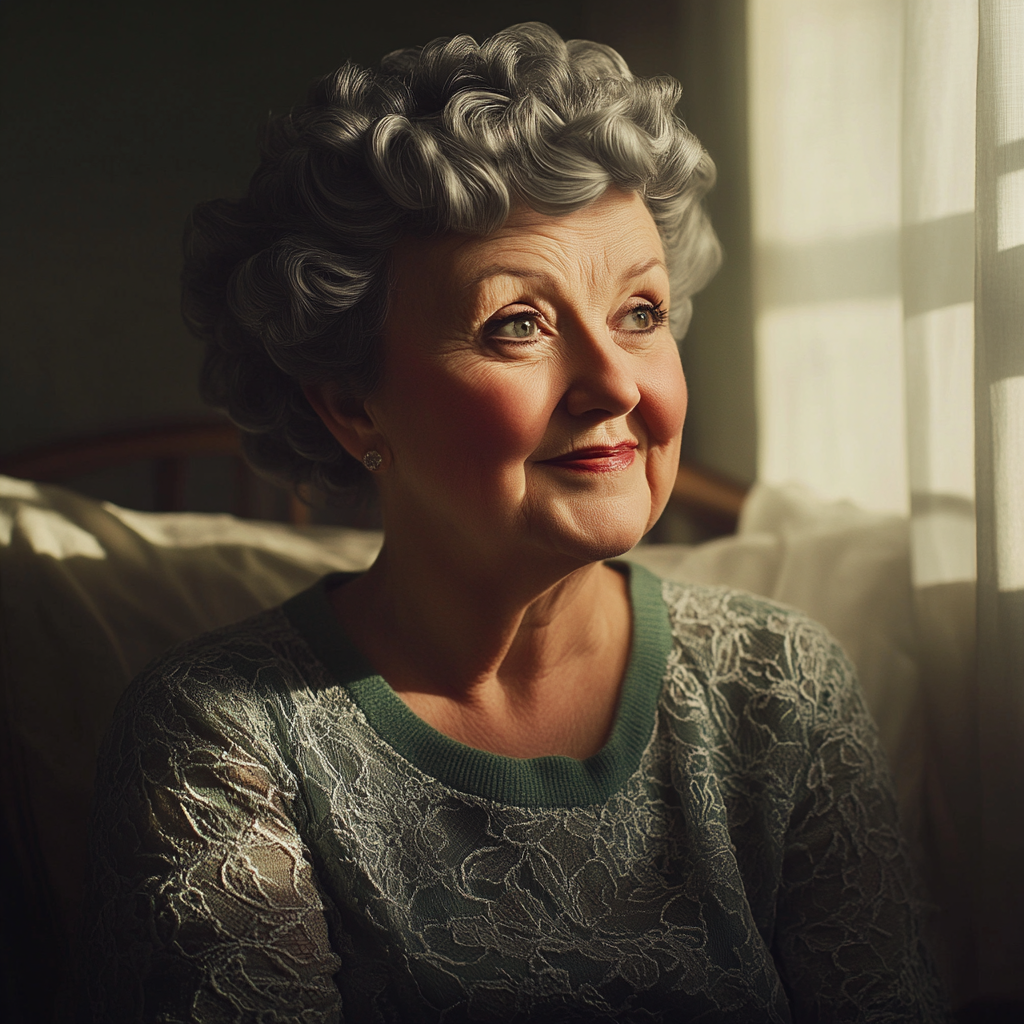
(664,399)
(664,410)
(490,417)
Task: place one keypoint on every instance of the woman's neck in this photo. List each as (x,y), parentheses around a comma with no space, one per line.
(498,657)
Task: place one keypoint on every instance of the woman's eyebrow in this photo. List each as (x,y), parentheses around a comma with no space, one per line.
(502,270)
(639,269)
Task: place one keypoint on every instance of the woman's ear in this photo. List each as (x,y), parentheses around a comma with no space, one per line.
(346,419)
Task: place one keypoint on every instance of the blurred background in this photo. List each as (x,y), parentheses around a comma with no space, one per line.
(119,117)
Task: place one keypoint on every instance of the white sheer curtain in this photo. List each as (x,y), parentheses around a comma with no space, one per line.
(887,169)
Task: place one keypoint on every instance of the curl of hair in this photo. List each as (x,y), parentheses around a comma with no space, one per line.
(288,285)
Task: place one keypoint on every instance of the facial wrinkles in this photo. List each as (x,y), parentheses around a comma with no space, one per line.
(503,411)
(578,274)
(555,292)
(587,284)
(561,257)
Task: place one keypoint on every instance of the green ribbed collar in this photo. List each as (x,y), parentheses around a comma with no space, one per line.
(552,781)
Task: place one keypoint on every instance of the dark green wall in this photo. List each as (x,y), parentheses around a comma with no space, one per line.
(118,117)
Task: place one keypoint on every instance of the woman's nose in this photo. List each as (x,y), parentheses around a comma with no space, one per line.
(603,380)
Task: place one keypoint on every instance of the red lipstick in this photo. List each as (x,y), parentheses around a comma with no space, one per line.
(597,458)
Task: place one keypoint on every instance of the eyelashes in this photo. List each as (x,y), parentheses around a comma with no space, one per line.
(517,329)
(655,313)
(524,328)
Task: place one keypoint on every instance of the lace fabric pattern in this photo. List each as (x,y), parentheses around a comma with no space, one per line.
(262,853)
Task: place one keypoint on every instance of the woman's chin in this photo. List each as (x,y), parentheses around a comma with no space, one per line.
(592,517)
(594,538)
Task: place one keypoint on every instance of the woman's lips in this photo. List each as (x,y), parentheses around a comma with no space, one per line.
(599,459)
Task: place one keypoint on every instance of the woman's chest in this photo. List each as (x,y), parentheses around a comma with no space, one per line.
(633,907)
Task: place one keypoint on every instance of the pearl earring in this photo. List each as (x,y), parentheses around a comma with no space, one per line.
(373,460)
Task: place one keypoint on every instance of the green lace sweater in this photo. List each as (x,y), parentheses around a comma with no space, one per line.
(278,838)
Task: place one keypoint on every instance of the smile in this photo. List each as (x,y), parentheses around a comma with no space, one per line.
(601,459)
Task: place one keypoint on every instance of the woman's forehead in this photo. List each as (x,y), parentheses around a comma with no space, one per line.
(615,235)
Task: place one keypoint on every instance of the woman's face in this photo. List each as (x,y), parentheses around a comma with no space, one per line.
(533,397)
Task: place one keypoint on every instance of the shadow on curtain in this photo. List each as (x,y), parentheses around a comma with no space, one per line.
(887,169)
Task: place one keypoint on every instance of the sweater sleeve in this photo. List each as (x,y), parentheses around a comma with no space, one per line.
(848,942)
(203,906)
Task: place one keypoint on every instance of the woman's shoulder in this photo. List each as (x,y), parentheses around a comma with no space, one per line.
(751,652)
(254,654)
(226,681)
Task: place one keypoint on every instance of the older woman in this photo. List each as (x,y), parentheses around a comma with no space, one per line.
(495,777)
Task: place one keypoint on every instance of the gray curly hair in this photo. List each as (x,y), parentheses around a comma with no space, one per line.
(289,284)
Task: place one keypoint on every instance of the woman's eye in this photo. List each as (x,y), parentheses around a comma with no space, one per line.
(516,328)
(643,318)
